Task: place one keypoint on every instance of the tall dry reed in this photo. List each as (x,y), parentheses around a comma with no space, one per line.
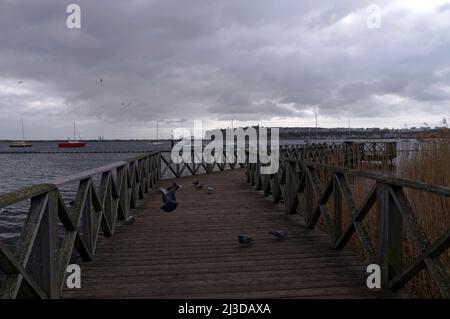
(430,164)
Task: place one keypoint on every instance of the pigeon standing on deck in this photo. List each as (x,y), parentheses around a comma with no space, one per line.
(245,240)
(198,186)
(168,197)
(210,190)
(279,234)
(130,220)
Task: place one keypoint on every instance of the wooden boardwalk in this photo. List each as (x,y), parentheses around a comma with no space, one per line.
(193,252)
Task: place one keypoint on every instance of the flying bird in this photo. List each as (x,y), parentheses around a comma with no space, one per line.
(245,240)
(20,82)
(168,197)
(101,80)
(279,234)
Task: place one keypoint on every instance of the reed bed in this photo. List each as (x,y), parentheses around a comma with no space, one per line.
(430,164)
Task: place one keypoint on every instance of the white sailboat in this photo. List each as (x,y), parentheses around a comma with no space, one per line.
(157,142)
(22,143)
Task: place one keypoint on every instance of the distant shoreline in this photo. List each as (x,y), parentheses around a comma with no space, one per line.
(169,140)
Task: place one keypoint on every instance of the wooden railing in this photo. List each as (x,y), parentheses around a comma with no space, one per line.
(319,191)
(197,165)
(344,154)
(349,154)
(52,230)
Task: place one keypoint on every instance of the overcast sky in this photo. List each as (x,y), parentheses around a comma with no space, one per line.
(276,62)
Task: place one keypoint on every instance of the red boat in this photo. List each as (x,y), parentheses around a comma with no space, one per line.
(72,144)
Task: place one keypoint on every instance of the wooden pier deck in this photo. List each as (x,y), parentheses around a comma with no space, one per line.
(193,252)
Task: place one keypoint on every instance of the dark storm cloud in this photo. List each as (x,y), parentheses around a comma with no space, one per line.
(212,59)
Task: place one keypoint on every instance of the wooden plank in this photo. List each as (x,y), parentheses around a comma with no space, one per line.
(193,251)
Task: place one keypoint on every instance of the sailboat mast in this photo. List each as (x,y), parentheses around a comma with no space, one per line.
(23,132)
(157,131)
(74,135)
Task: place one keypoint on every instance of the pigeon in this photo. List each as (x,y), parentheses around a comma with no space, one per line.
(279,234)
(245,240)
(196,182)
(210,190)
(101,80)
(168,197)
(20,82)
(199,186)
(130,220)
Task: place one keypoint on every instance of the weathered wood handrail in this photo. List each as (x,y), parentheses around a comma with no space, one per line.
(193,168)
(93,211)
(52,230)
(297,182)
(349,154)
(37,266)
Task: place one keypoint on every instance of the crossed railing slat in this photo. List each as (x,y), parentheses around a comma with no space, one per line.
(37,266)
(193,167)
(297,183)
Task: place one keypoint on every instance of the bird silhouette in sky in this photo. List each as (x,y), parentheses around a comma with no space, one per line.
(20,82)
(101,80)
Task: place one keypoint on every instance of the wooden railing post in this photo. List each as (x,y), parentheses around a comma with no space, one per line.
(390,247)
(308,197)
(43,259)
(292,182)
(258,181)
(159,166)
(122,177)
(337,212)
(87,218)
(266,184)
(275,188)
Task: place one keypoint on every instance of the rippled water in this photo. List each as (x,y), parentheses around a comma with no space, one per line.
(20,169)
